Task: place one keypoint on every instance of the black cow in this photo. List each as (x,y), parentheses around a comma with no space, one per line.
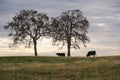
(60,54)
(91,53)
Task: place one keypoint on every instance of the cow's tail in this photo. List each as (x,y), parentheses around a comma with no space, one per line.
(95,55)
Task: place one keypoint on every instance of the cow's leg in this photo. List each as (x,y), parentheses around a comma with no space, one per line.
(94,55)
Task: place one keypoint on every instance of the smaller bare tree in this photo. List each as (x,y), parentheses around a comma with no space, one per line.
(71,28)
(27,27)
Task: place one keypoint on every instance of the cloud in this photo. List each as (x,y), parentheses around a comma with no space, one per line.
(101,25)
(103,16)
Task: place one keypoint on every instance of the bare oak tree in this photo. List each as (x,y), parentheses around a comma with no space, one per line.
(27,27)
(71,28)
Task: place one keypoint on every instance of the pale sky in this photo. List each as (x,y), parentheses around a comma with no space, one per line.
(103,15)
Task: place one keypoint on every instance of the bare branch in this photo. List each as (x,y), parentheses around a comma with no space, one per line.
(71,27)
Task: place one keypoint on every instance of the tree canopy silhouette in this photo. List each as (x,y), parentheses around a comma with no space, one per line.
(27,27)
(71,28)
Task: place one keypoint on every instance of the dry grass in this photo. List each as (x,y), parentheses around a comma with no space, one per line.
(59,68)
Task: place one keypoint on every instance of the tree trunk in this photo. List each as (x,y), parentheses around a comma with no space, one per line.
(35,46)
(68,47)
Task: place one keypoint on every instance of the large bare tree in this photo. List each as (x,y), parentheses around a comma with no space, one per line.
(71,28)
(27,27)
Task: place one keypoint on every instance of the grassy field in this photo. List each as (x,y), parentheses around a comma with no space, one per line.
(60,68)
